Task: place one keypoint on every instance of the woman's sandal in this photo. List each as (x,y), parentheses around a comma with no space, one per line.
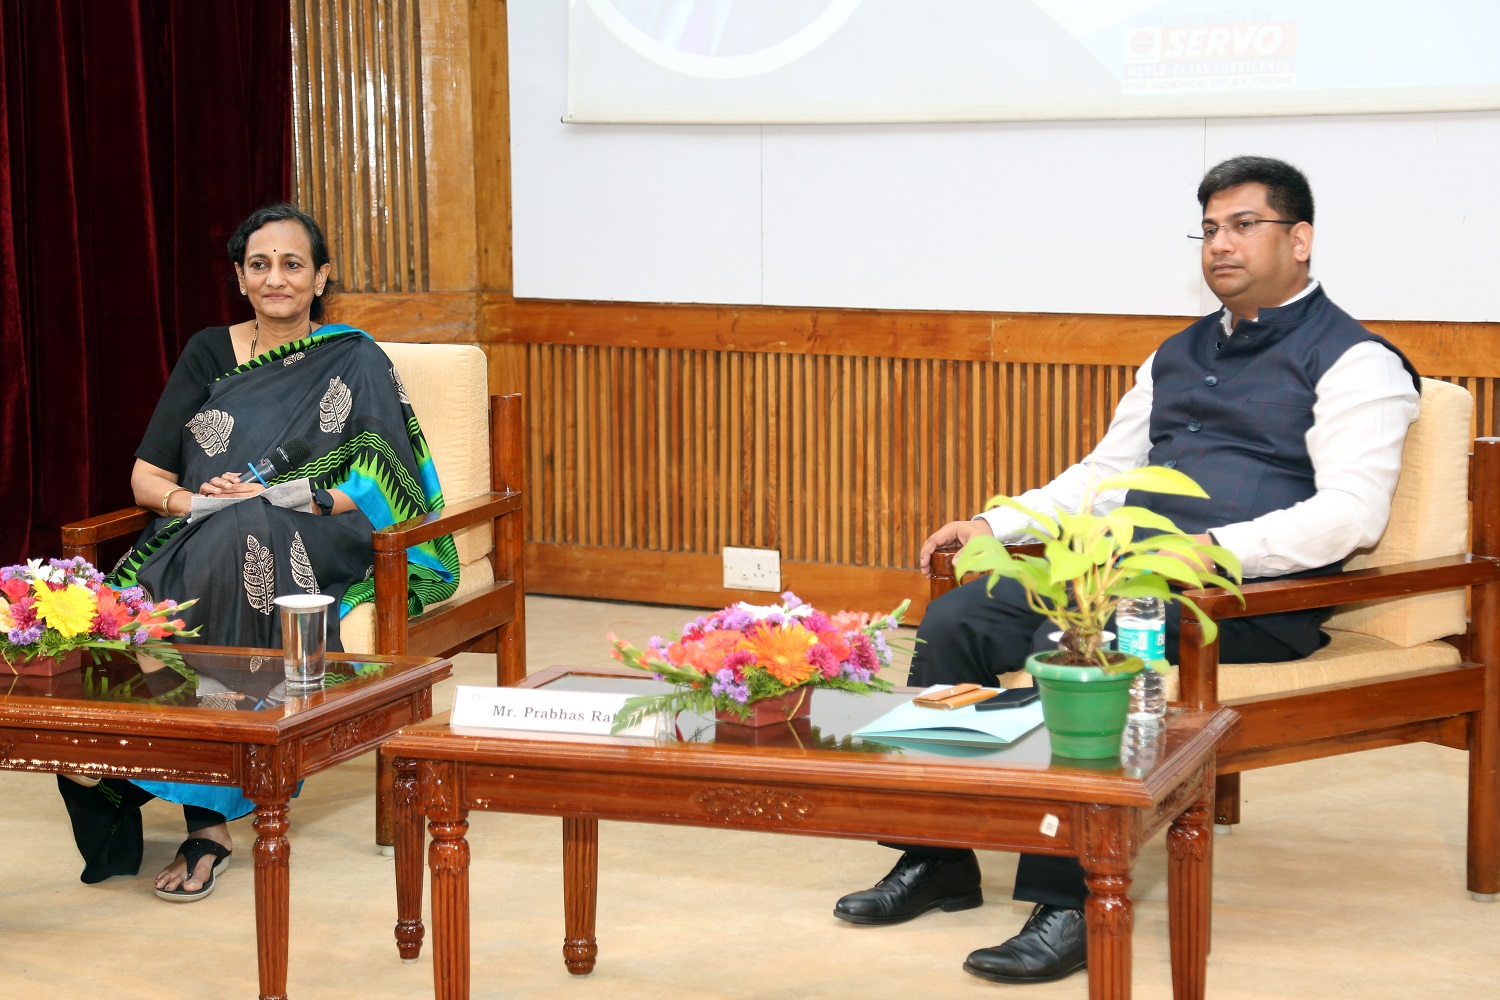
(193,850)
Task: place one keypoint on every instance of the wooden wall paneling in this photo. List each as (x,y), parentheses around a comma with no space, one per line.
(786,498)
(682,435)
(552,492)
(656,466)
(507,362)
(639,405)
(763,461)
(307,169)
(860,461)
(427,318)
(448,122)
(414,153)
(1040,338)
(618,499)
(356,83)
(358,158)
(590,468)
(573,483)
(490,84)
(343,145)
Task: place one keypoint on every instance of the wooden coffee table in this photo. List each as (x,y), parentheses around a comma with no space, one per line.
(808,779)
(117,720)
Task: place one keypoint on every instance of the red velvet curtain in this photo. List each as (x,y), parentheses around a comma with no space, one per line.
(135,136)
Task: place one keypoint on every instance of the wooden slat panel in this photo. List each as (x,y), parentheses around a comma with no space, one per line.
(869,450)
(358,154)
(447,139)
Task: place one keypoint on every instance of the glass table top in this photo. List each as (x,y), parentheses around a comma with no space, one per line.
(239,680)
(837,714)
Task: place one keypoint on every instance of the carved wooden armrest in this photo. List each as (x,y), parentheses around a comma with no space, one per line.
(1399,580)
(943,559)
(485,507)
(82,538)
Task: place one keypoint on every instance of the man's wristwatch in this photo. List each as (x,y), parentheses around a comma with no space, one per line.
(324,500)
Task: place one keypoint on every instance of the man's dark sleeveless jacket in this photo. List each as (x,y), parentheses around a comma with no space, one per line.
(1233,413)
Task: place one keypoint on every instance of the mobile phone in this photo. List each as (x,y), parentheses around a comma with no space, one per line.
(1009,698)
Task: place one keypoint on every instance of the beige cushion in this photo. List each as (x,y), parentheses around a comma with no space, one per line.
(1348,657)
(448,385)
(1429,518)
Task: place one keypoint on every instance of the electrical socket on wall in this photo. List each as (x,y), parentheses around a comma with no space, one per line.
(752,569)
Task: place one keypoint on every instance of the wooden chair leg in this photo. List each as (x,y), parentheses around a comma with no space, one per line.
(1484,799)
(510,661)
(1226,800)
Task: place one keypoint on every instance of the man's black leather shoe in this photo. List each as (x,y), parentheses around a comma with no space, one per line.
(917,884)
(1053,945)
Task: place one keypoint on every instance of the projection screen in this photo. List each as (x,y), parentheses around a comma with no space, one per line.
(851,61)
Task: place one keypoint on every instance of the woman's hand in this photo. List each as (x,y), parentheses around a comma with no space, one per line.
(229,485)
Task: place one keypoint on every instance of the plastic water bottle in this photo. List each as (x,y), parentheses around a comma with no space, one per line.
(1140,744)
(1141,631)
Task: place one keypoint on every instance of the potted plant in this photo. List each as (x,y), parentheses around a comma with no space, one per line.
(1088,562)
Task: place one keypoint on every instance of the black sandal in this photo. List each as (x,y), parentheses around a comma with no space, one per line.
(193,851)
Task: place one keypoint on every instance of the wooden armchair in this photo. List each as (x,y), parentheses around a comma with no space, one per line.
(1403,664)
(476,443)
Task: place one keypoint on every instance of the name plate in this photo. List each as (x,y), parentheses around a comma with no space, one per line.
(543,711)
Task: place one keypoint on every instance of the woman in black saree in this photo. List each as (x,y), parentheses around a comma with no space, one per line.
(325,403)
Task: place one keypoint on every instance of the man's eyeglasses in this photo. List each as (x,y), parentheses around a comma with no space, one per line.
(1240,227)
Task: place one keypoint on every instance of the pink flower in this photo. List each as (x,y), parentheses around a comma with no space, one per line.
(15,588)
(737,661)
(106,625)
(23,612)
(824,659)
(862,653)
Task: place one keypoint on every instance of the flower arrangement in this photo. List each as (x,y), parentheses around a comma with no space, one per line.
(742,654)
(48,610)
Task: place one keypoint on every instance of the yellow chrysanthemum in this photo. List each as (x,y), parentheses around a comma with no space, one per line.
(6,621)
(69,611)
(782,652)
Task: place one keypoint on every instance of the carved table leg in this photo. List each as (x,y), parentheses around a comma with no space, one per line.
(580,893)
(408,837)
(272,900)
(1109,851)
(1190,848)
(448,859)
(384,805)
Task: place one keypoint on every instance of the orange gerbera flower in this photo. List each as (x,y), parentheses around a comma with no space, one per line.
(782,652)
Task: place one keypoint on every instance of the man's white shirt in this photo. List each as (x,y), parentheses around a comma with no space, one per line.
(1366,402)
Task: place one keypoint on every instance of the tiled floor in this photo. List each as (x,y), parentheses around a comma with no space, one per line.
(1346,880)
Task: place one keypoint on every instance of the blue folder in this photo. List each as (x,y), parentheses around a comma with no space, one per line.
(956,726)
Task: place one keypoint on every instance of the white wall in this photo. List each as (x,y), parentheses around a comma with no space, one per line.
(1052,217)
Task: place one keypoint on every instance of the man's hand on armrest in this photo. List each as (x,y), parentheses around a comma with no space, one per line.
(953,535)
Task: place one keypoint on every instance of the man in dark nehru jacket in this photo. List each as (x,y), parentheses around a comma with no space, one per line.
(1286,411)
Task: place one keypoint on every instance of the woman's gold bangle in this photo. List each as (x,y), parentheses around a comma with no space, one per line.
(168,496)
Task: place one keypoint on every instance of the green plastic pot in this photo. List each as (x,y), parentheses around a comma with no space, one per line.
(1083,708)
